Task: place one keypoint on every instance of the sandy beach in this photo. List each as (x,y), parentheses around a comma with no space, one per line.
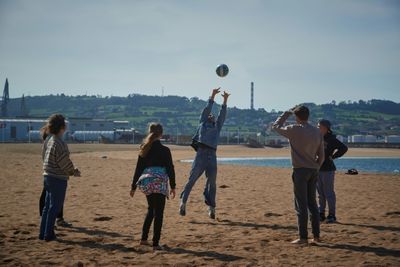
(255,214)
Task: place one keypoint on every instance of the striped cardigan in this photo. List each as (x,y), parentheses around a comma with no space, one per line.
(56,161)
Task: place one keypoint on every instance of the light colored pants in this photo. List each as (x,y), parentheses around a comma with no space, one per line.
(326,191)
(205,161)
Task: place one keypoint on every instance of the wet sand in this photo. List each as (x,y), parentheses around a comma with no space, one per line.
(255,214)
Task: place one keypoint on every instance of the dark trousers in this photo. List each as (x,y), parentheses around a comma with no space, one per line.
(305,187)
(55,195)
(156,204)
(42,202)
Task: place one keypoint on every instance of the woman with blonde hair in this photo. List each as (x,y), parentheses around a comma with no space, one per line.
(153,171)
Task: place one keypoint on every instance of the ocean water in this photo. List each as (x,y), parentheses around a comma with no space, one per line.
(362,164)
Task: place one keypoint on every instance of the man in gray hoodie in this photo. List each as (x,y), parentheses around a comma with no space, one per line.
(307,152)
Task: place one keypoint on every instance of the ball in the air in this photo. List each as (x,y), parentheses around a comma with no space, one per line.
(222,70)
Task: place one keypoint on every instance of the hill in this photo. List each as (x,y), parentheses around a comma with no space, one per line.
(180,114)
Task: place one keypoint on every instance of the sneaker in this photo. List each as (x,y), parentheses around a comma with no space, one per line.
(144,243)
(211,212)
(182,209)
(63,223)
(300,242)
(322,217)
(331,218)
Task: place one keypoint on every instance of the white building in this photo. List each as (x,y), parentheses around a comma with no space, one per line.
(391,139)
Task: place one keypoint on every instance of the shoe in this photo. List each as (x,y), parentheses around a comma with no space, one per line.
(211,212)
(331,218)
(316,240)
(182,209)
(144,243)
(322,217)
(300,242)
(50,238)
(159,248)
(63,223)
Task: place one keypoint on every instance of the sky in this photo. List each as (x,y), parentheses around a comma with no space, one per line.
(293,51)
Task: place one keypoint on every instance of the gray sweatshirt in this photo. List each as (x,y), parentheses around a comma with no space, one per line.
(306,142)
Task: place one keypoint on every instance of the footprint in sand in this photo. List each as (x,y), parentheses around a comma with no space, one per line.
(103,218)
(223,186)
(271,214)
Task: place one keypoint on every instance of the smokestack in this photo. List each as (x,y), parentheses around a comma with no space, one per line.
(252,96)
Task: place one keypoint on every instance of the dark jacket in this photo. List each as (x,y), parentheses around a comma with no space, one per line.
(333,149)
(158,156)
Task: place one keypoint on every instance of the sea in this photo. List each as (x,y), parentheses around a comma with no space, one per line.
(361,164)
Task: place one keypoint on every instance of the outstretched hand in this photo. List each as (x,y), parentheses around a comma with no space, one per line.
(225,95)
(215,92)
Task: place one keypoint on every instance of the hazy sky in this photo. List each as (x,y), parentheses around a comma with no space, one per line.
(294,51)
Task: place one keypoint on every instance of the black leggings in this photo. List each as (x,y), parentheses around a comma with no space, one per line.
(155,211)
(42,202)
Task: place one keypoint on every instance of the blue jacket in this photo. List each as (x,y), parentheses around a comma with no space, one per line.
(208,133)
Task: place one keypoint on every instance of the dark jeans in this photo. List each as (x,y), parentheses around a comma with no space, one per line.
(55,195)
(155,211)
(42,202)
(305,187)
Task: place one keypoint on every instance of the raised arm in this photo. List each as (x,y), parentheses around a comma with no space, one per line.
(222,112)
(280,121)
(208,108)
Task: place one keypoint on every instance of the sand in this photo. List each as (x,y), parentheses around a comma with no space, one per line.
(255,215)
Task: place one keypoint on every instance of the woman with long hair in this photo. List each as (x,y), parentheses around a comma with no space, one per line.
(57,167)
(153,171)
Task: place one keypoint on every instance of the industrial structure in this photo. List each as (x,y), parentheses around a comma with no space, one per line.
(252,96)
(4,100)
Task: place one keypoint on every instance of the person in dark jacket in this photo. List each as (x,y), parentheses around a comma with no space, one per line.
(326,192)
(153,170)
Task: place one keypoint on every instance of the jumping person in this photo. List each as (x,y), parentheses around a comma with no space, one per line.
(307,152)
(326,192)
(57,167)
(205,143)
(153,170)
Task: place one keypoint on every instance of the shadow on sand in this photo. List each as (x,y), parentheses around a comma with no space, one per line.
(210,254)
(98,245)
(94,232)
(249,224)
(376,227)
(380,251)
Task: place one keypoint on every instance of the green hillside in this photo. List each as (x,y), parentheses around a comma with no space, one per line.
(180,114)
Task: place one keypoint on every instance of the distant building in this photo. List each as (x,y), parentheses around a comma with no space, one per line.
(27,130)
(392,139)
(359,138)
(17,130)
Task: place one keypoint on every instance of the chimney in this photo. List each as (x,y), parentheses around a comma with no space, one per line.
(252,96)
